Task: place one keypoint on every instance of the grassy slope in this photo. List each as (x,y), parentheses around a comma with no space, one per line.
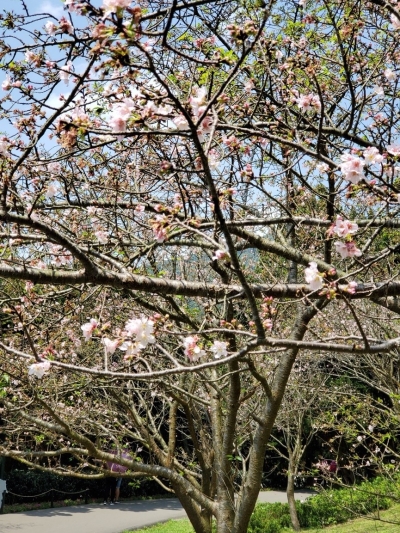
(365,525)
(361,525)
(172,526)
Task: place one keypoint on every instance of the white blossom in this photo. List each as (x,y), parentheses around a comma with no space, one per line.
(39,369)
(219,349)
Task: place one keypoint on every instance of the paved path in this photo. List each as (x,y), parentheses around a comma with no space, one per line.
(100,519)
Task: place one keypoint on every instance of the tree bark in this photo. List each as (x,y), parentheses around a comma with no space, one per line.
(291,500)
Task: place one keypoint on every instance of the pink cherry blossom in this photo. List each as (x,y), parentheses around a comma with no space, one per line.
(39,369)
(148,45)
(120,115)
(219,349)
(249,86)
(110,345)
(111,6)
(65,26)
(278,55)
(198,99)
(351,287)
(192,350)
(143,329)
(73,6)
(160,234)
(54,168)
(50,28)
(131,349)
(221,255)
(149,110)
(180,122)
(164,110)
(347,249)
(322,167)
(52,189)
(118,124)
(65,72)
(342,227)
(205,127)
(393,149)
(371,156)
(231,142)
(309,102)
(313,277)
(390,75)
(30,57)
(213,159)
(395,22)
(159,228)
(139,208)
(88,328)
(4,147)
(102,236)
(352,168)
(6,85)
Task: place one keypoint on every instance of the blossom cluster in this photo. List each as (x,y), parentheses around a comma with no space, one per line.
(267,312)
(352,166)
(309,102)
(194,351)
(345,229)
(198,104)
(314,278)
(135,107)
(160,228)
(112,6)
(137,335)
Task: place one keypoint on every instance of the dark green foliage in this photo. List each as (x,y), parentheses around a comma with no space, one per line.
(34,482)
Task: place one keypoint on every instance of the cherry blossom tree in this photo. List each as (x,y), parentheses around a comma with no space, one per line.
(191,194)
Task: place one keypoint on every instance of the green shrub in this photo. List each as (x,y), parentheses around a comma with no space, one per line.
(329,507)
(336,506)
(269,518)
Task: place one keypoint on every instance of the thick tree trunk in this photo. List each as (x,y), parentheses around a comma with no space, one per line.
(291,501)
(199,518)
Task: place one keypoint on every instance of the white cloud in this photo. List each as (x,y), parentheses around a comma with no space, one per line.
(54,100)
(53,8)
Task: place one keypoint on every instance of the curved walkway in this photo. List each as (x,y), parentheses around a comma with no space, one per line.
(93,518)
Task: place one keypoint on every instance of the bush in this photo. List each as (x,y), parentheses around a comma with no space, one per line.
(34,482)
(268,516)
(329,507)
(336,506)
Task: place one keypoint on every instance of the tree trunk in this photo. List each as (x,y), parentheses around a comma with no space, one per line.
(291,501)
(200,518)
(225,517)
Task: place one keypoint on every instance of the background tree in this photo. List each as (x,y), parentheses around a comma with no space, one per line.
(307,400)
